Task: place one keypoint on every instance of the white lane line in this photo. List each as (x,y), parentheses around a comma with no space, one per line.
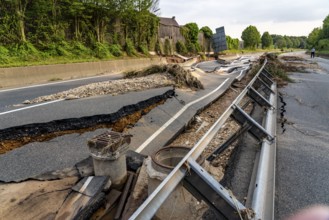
(54,83)
(154,135)
(85,185)
(241,72)
(28,107)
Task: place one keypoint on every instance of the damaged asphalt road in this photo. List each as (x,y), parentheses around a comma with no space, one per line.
(65,151)
(302,153)
(10,97)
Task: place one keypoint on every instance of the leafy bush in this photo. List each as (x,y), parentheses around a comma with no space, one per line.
(159,48)
(4,51)
(101,51)
(181,48)
(79,49)
(25,51)
(63,48)
(143,49)
(130,48)
(167,48)
(4,55)
(323,44)
(116,50)
(202,56)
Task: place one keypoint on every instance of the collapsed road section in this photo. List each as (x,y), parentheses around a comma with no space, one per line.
(203,186)
(206,99)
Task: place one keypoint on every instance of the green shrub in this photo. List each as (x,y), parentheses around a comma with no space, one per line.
(4,55)
(167,48)
(102,51)
(116,50)
(62,51)
(143,49)
(25,51)
(323,44)
(4,51)
(202,56)
(130,48)
(159,48)
(181,48)
(79,49)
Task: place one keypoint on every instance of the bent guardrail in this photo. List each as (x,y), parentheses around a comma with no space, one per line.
(221,200)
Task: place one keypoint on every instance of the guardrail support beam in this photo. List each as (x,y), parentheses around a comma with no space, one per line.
(257,130)
(204,187)
(266,79)
(259,83)
(258,98)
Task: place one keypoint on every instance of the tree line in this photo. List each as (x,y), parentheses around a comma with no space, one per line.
(252,39)
(319,37)
(102,28)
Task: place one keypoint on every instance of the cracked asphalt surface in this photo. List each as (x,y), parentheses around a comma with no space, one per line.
(36,158)
(303,151)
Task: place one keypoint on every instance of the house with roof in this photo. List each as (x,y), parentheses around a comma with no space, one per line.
(170,29)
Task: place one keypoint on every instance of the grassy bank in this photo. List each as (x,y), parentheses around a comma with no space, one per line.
(26,54)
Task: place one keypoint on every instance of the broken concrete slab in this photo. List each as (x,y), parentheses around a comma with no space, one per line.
(84,200)
(138,194)
(90,186)
(34,199)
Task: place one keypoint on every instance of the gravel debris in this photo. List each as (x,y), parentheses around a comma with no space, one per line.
(114,87)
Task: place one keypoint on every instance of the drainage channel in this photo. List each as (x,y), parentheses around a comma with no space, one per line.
(18,136)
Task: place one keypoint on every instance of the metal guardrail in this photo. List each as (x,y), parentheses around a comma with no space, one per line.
(263,192)
(264,187)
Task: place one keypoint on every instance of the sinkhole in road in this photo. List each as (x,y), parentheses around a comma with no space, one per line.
(15,137)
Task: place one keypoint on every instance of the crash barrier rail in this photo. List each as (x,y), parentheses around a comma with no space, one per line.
(261,90)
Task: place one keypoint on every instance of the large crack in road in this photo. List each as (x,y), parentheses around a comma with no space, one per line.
(18,136)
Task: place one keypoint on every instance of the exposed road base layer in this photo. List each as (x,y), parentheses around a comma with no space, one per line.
(15,137)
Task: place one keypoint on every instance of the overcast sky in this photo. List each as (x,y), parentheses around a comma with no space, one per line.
(285,17)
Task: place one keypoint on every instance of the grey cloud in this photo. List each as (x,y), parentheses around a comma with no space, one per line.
(248,11)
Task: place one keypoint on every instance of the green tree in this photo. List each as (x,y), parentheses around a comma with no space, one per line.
(190,32)
(17,8)
(193,32)
(325,27)
(289,43)
(251,37)
(207,32)
(281,42)
(314,37)
(267,40)
(232,43)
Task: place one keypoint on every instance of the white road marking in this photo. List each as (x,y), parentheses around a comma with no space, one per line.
(154,135)
(85,185)
(54,83)
(29,107)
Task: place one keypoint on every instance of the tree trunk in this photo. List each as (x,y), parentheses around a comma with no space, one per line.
(97,29)
(22,30)
(20,11)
